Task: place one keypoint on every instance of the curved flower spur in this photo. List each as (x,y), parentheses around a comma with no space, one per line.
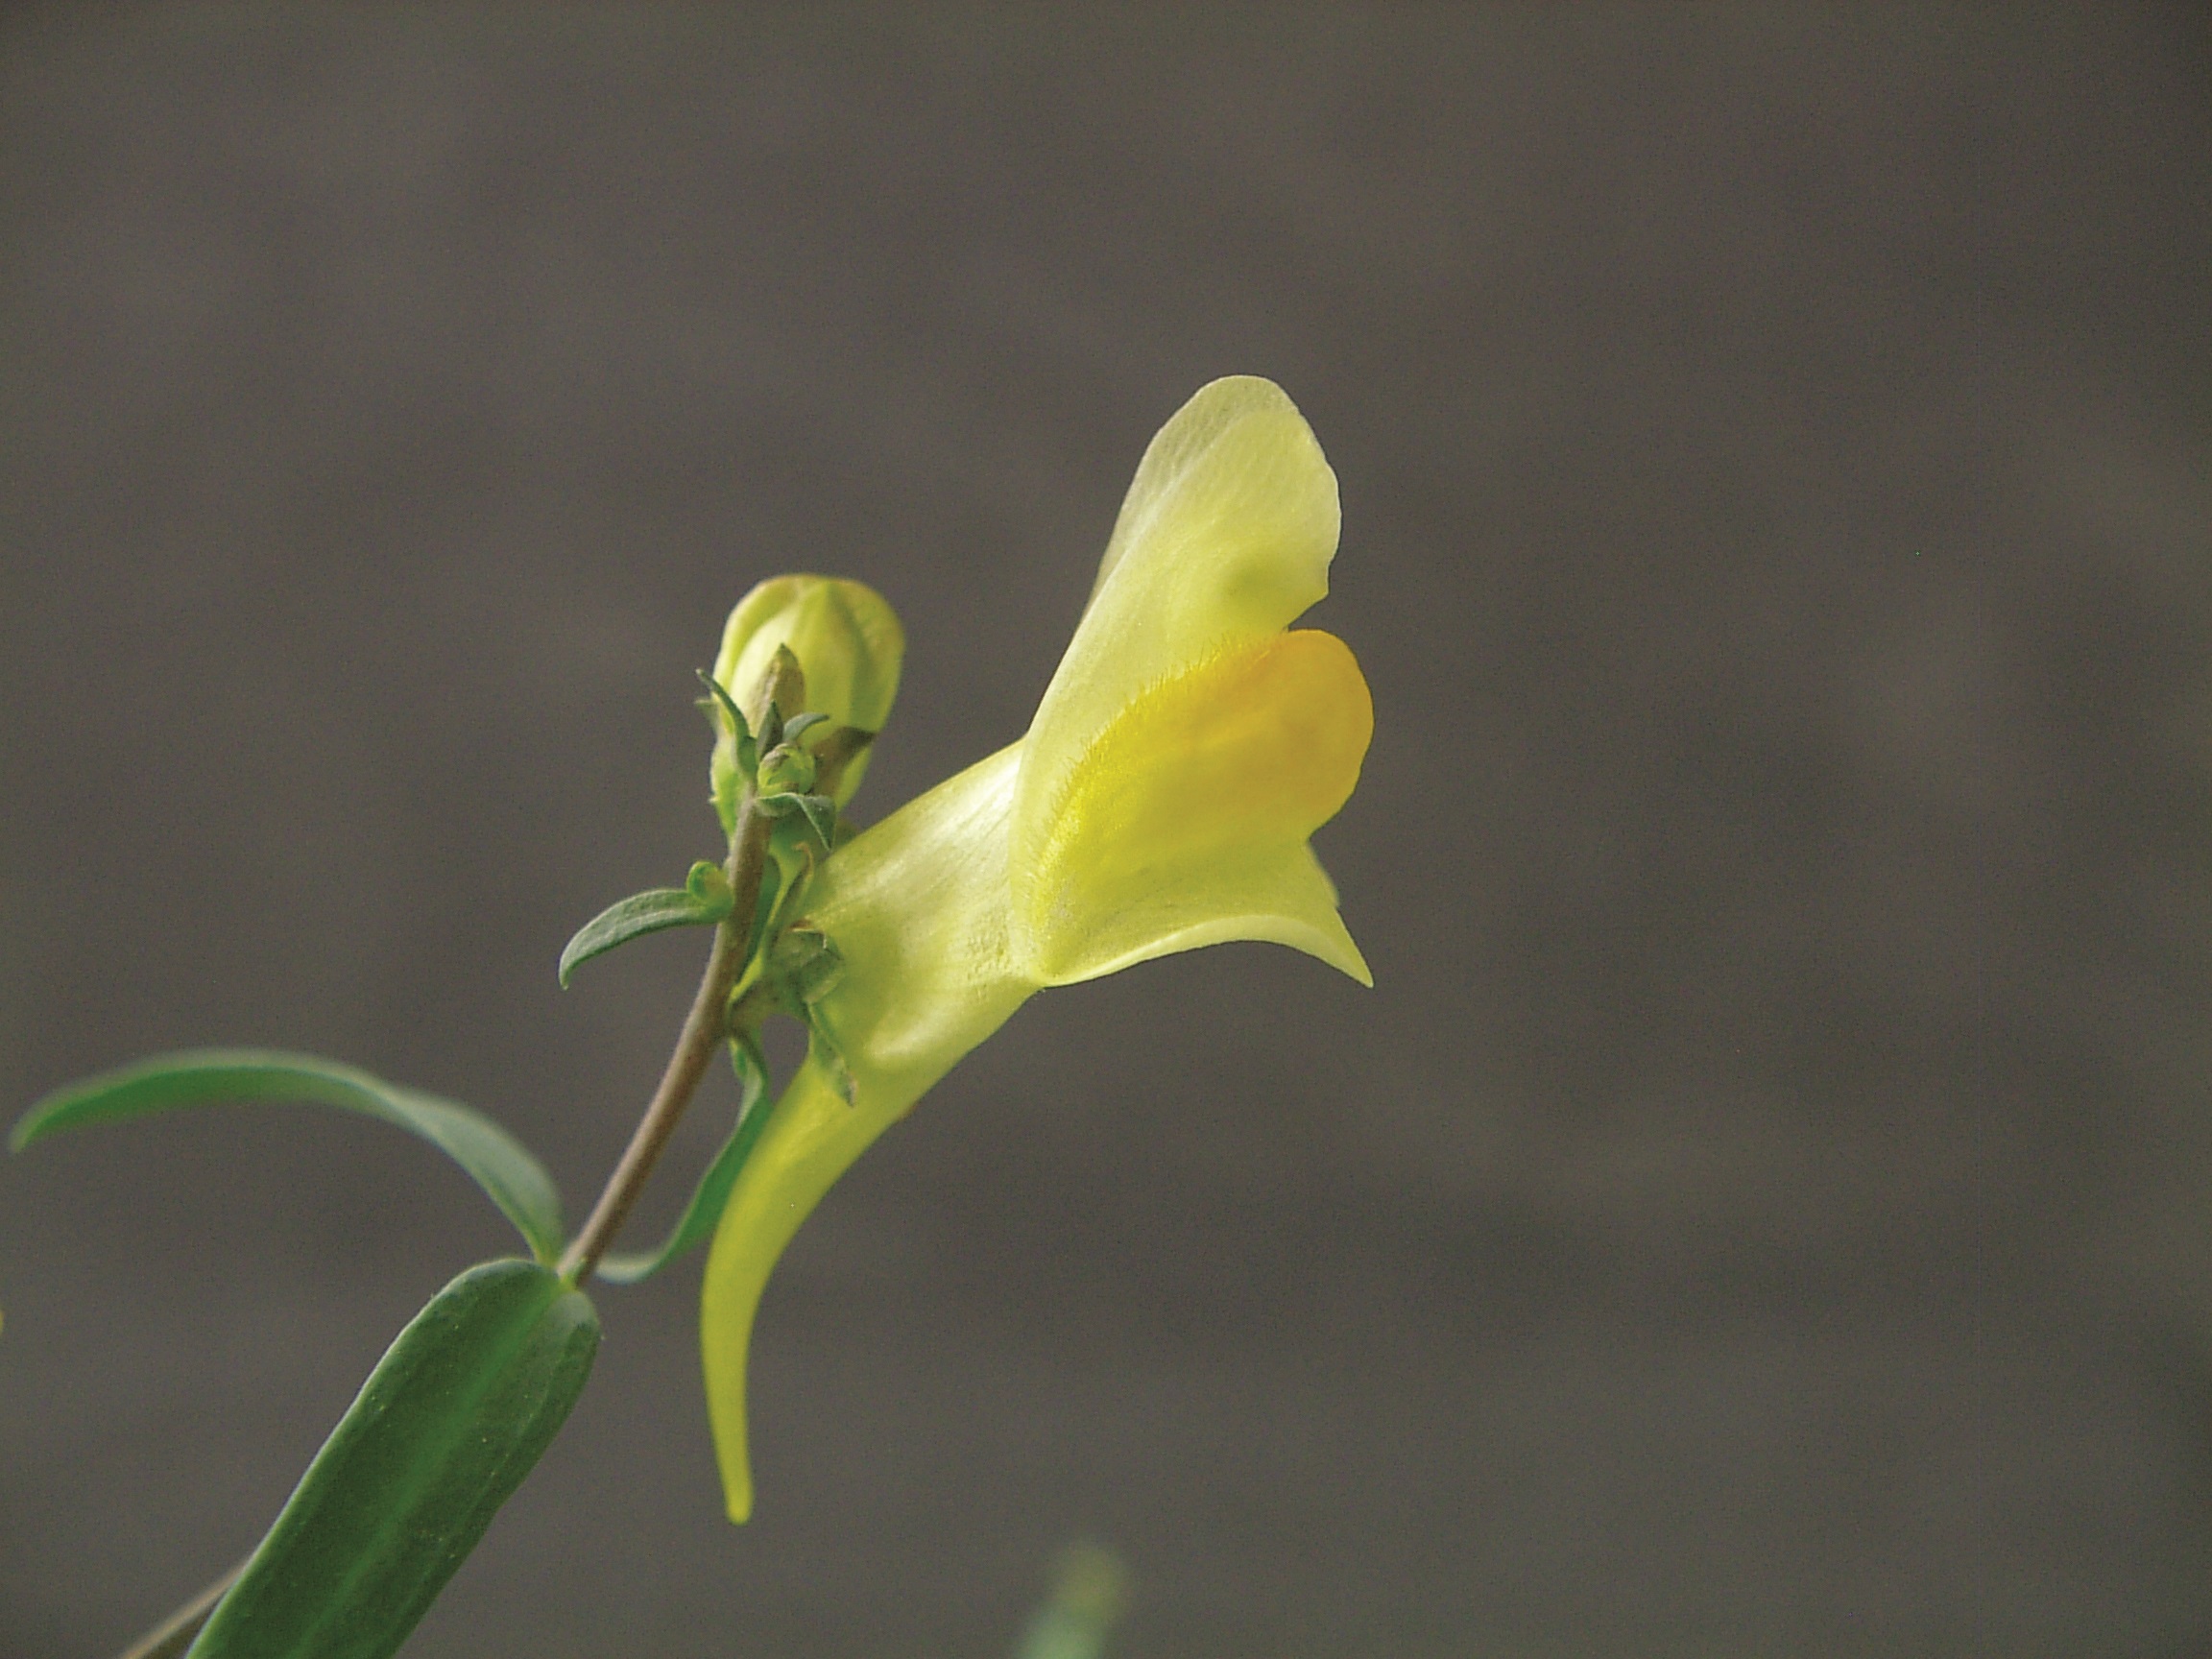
(1187,747)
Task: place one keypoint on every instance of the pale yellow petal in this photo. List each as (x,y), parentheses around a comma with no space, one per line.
(917,905)
(1225,537)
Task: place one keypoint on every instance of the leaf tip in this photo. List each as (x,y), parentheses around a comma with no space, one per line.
(36,1123)
(571,958)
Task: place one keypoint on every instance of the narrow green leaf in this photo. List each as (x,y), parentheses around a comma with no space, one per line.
(703,899)
(799,723)
(499,1164)
(713,1190)
(455,1414)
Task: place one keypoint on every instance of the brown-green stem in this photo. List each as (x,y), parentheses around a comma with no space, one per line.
(704,1029)
(174,1634)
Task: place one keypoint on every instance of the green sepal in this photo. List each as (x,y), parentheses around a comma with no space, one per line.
(791,854)
(782,684)
(819,810)
(783,883)
(712,1193)
(800,853)
(799,723)
(725,788)
(500,1165)
(805,965)
(705,898)
(823,1054)
(735,761)
(821,817)
(747,759)
(456,1413)
(749,1062)
(834,753)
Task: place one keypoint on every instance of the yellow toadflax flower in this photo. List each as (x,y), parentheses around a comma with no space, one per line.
(1185,749)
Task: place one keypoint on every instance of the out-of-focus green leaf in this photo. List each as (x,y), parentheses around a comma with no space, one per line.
(455,1414)
(499,1164)
(713,1190)
(704,897)
(1090,1593)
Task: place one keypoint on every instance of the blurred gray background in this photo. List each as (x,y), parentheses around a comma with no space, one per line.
(1765,1206)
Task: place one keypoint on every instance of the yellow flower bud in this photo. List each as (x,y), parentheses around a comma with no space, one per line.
(848,645)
